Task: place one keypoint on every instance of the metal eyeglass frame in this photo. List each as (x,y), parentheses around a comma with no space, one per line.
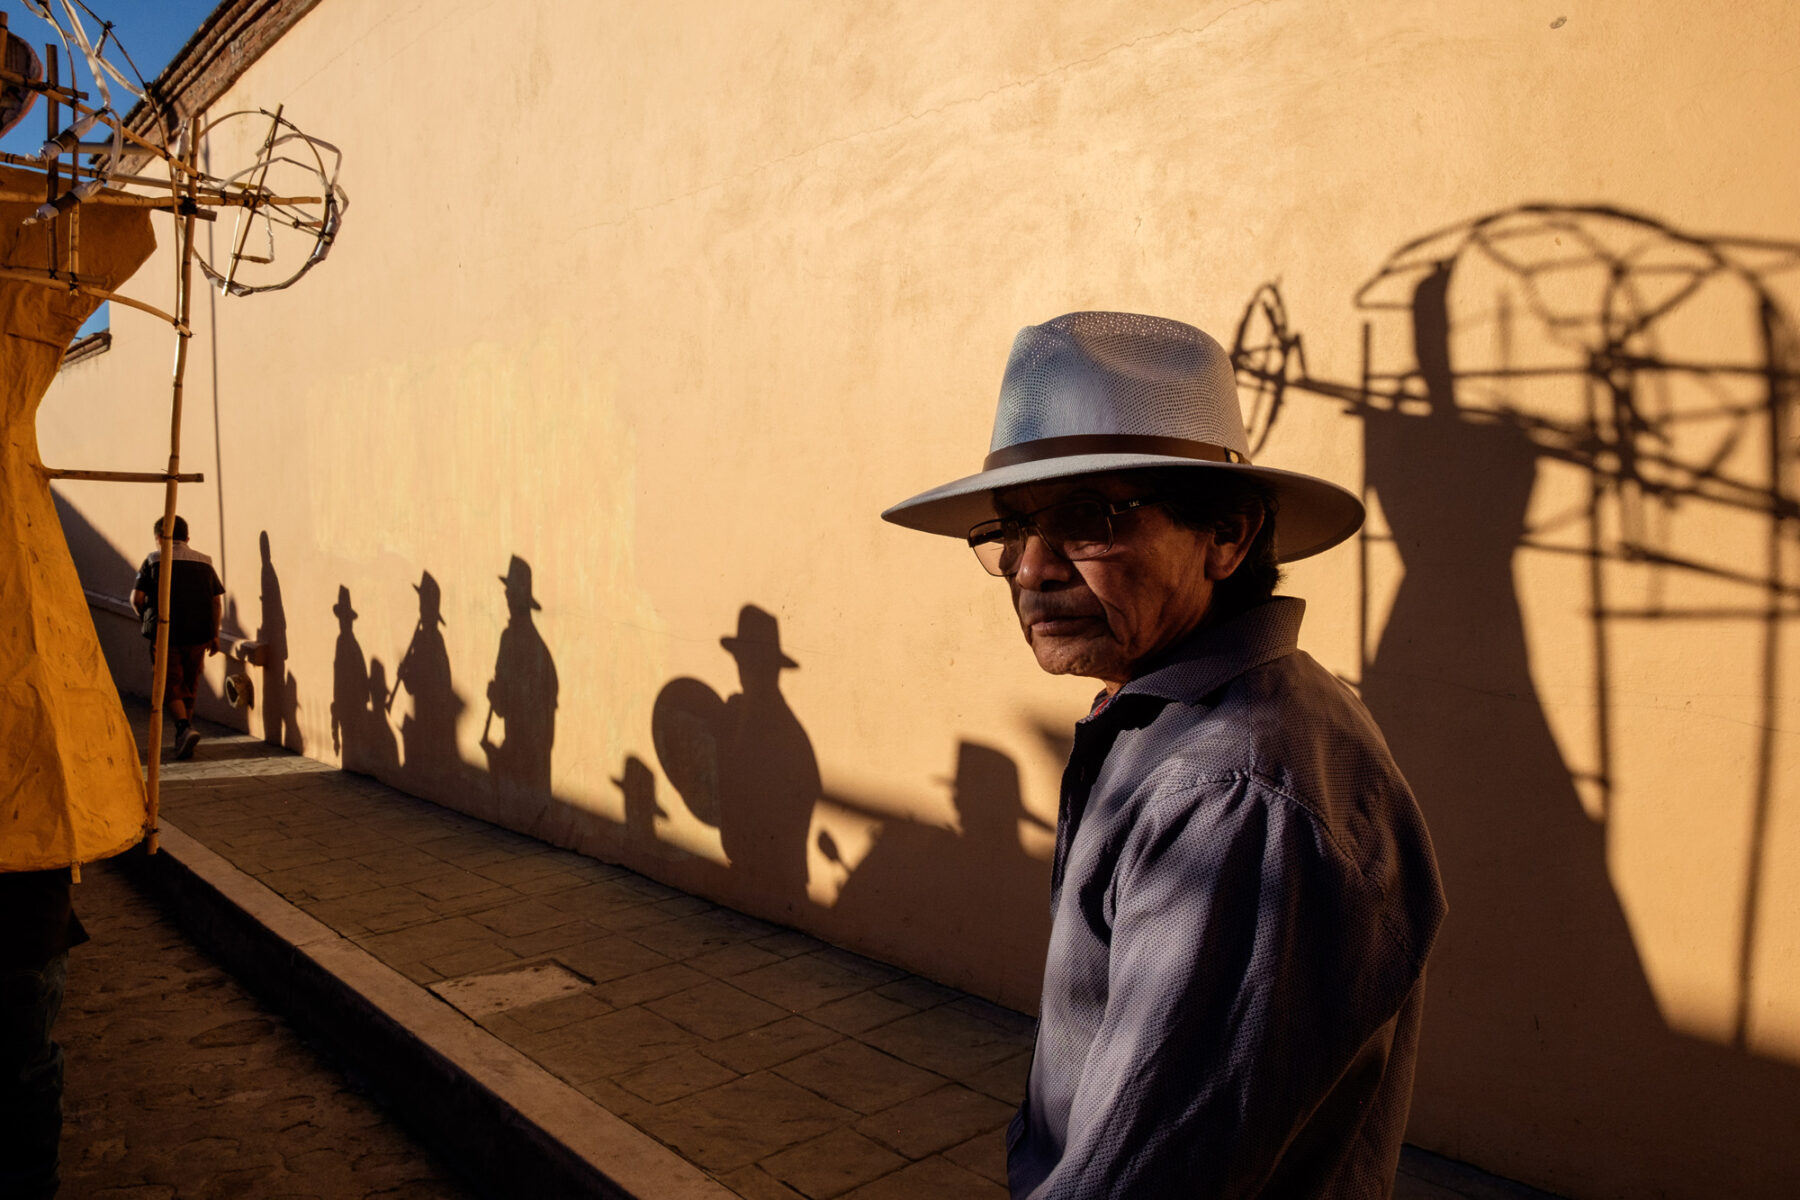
(989,539)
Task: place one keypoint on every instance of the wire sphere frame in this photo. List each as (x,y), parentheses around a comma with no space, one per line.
(274,209)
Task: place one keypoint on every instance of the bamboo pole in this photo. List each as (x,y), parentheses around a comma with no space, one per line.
(124,476)
(75,245)
(248,217)
(88,289)
(73,99)
(184,273)
(51,88)
(129,200)
(52,182)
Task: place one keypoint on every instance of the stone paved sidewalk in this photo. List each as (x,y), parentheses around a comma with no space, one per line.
(180,1084)
(781,1066)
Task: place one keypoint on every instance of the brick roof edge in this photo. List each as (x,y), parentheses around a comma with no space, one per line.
(228,41)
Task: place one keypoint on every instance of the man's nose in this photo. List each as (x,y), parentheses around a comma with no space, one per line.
(1041,566)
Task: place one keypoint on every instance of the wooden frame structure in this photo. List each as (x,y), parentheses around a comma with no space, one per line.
(151,160)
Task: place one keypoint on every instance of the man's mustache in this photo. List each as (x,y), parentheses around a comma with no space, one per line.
(1035,607)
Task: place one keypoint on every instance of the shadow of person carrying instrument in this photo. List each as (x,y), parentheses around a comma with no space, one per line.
(522,697)
(423,754)
(429,753)
(746,766)
(1543,1034)
(907,889)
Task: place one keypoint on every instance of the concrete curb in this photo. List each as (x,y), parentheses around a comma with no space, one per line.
(514,1128)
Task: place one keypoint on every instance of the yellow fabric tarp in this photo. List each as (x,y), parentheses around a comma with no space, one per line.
(71,789)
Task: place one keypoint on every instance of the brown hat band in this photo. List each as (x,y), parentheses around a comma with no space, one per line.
(1108,443)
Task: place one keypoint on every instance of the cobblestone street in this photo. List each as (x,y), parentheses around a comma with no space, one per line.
(182,1086)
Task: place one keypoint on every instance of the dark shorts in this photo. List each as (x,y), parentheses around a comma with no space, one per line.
(186,664)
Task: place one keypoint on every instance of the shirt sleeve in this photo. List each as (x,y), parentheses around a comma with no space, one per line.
(146,579)
(1249,964)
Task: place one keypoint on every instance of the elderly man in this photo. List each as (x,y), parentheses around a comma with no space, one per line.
(1243,892)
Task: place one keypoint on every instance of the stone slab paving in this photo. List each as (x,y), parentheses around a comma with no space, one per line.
(180,1084)
(781,1066)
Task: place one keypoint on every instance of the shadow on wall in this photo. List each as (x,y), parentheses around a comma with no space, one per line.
(420,751)
(522,695)
(428,731)
(742,765)
(958,887)
(279,695)
(1543,1035)
(103,570)
(518,733)
(353,723)
(745,766)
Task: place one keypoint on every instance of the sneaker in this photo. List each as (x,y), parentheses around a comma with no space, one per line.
(184,745)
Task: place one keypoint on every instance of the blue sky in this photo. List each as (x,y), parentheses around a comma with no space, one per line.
(152,30)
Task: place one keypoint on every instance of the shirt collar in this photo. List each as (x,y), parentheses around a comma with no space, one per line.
(1216,654)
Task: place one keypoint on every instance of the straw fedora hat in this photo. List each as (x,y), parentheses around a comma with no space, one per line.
(1099,391)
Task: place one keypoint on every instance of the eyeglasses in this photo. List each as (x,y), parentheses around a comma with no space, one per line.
(1075,529)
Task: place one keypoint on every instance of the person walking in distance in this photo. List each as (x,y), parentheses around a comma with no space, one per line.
(196,609)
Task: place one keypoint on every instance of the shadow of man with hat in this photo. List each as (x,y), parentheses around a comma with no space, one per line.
(349,688)
(522,695)
(428,732)
(768,776)
(952,885)
(637,784)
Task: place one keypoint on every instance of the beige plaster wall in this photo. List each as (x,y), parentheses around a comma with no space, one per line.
(670,301)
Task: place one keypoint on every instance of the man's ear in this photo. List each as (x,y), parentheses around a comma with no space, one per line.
(1230,542)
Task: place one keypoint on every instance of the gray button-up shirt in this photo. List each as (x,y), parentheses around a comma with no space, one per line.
(1243,897)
